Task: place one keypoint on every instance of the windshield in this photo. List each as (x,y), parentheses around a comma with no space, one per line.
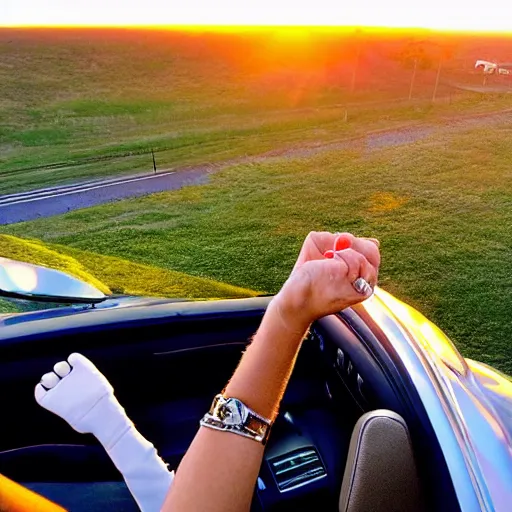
(191,163)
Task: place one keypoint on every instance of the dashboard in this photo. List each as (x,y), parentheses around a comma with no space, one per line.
(335,381)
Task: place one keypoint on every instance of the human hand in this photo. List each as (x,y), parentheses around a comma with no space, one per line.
(320,285)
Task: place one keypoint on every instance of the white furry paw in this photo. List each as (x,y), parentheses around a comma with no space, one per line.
(81,395)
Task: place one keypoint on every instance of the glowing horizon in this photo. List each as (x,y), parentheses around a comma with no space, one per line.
(189,27)
(162,14)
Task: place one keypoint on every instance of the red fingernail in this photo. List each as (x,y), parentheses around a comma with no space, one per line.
(341,243)
(329,254)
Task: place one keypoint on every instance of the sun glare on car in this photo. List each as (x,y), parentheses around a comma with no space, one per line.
(22,278)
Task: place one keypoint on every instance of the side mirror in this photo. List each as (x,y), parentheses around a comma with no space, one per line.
(32,282)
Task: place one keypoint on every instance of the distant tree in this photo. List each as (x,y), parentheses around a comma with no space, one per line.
(424,54)
(414,55)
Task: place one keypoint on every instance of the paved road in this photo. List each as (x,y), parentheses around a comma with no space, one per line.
(56,200)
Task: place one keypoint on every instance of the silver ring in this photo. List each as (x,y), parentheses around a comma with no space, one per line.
(361,286)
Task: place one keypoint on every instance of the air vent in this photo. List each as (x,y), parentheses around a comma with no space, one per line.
(296,469)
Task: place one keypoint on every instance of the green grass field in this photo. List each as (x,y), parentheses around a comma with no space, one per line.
(441,209)
(76,105)
(79,108)
(117,275)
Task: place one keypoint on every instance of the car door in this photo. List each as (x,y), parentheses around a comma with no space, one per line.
(165,361)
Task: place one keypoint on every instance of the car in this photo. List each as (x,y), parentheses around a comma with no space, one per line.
(486,66)
(490,68)
(167,359)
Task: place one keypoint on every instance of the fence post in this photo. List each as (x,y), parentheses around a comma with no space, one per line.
(413,77)
(154,163)
(437,80)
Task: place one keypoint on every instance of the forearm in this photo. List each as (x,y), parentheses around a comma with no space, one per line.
(263,373)
(220,469)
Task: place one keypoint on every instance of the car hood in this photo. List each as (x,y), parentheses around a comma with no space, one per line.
(472,405)
(477,377)
(114,302)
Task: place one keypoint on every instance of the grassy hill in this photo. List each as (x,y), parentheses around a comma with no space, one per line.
(115,274)
(79,104)
(34,251)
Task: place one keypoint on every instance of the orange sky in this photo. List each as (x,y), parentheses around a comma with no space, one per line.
(491,15)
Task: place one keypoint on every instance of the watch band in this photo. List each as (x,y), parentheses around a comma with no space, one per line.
(232,415)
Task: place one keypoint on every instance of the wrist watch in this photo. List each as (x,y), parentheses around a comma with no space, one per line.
(232,415)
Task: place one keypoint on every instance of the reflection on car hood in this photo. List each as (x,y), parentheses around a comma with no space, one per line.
(474,419)
(113,302)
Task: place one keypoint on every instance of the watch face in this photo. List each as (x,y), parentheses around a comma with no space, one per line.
(233,412)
